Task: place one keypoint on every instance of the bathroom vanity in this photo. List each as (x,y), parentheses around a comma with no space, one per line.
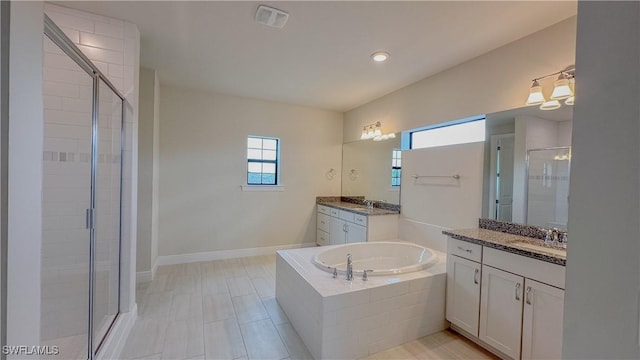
(506,292)
(341,222)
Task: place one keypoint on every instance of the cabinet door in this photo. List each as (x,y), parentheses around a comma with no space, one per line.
(542,321)
(501,310)
(356,233)
(337,234)
(463,293)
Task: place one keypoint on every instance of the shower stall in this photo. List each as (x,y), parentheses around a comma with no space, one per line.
(82,200)
(548,187)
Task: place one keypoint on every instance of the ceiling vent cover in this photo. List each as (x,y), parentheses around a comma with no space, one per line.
(271,17)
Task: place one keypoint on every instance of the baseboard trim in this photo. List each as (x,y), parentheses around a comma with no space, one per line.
(225,254)
(117,338)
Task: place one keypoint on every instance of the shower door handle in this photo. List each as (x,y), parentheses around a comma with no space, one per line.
(90,218)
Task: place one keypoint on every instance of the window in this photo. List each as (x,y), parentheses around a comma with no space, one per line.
(263,161)
(459,133)
(396,167)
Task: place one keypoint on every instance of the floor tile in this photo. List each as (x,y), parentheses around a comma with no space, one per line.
(291,339)
(249,308)
(223,340)
(184,340)
(265,287)
(263,341)
(274,310)
(240,286)
(217,307)
(146,338)
(186,306)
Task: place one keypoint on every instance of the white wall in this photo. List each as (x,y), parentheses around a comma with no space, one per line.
(4,155)
(430,205)
(603,262)
(25,173)
(496,81)
(148,154)
(203,140)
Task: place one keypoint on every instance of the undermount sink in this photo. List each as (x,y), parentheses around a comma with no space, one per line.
(546,249)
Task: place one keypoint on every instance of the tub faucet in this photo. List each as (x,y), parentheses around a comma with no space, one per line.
(349,268)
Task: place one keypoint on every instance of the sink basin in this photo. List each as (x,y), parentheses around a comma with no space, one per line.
(544,249)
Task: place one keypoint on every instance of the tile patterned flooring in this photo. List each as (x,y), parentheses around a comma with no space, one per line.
(226,309)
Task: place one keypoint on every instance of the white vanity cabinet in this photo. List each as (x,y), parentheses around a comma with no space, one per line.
(542,321)
(520,304)
(464,272)
(501,310)
(336,226)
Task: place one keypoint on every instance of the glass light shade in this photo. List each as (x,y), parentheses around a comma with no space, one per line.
(392,136)
(561,89)
(378,132)
(535,95)
(550,105)
(370,133)
(569,100)
(364,135)
(377,138)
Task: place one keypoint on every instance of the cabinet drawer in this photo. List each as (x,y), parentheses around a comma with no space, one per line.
(334,212)
(324,222)
(347,215)
(538,270)
(360,219)
(464,249)
(324,209)
(323,237)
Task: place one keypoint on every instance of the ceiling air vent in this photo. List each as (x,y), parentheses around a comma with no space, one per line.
(271,17)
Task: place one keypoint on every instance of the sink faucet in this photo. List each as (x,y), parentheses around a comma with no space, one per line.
(349,268)
(369,204)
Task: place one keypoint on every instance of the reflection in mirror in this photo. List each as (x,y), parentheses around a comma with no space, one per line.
(372,169)
(526,167)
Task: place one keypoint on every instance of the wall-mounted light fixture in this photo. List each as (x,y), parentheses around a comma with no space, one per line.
(374,131)
(561,90)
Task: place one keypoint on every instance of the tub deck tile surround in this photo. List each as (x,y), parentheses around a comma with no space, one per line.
(340,319)
(510,243)
(204,325)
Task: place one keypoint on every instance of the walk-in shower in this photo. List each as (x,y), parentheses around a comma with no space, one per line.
(82,197)
(548,187)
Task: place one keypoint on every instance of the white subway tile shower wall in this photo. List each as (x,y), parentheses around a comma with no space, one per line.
(113,46)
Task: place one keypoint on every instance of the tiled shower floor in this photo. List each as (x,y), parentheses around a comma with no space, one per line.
(226,309)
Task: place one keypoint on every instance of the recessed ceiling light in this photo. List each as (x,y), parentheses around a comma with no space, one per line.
(380,56)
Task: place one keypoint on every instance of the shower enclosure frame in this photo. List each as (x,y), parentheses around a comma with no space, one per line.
(526,193)
(58,37)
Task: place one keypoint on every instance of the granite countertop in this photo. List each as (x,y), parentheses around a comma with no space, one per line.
(357,208)
(517,244)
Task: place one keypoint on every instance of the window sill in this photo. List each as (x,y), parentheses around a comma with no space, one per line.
(262,187)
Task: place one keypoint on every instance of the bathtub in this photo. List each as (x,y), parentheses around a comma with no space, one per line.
(338,318)
(382,258)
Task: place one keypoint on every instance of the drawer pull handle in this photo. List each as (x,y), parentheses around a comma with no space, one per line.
(518,291)
(529,295)
(475,276)
(465,250)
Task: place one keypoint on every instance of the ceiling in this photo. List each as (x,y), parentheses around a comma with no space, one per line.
(321,58)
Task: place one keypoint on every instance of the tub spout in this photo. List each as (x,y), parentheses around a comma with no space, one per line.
(349,268)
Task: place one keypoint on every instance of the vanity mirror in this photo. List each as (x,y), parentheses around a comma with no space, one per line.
(526,166)
(372,169)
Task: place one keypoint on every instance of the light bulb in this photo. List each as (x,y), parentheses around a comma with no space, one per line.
(380,56)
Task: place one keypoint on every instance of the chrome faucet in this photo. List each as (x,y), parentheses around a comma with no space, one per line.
(349,268)
(369,204)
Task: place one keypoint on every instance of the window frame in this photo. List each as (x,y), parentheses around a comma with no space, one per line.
(276,162)
(399,168)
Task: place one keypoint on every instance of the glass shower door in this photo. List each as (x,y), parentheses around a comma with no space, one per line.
(106,277)
(548,187)
(66,196)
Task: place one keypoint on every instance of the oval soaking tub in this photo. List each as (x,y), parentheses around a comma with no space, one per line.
(383,258)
